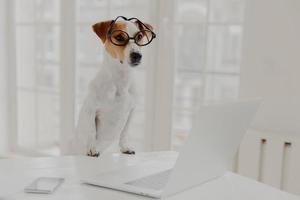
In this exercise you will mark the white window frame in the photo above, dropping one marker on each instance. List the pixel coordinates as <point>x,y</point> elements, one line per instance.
<point>162,81</point>
<point>68,69</point>
<point>12,108</point>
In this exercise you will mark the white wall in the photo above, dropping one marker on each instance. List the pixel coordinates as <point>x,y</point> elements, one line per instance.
<point>3,117</point>
<point>271,63</point>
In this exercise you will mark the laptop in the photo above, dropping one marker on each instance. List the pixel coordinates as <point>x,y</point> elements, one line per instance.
<point>207,154</point>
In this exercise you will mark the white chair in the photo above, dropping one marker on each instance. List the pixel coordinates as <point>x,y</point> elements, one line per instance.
<point>271,158</point>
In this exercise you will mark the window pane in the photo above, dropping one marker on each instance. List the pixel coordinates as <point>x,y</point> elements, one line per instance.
<point>38,73</point>
<point>48,10</point>
<point>48,120</point>
<point>91,11</point>
<point>29,11</point>
<point>189,47</point>
<point>183,120</point>
<point>188,94</point>
<point>128,12</point>
<point>38,118</point>
<point>121,3</point>
<point>188,90</point>
<point>221,87</point>
<point>144,5</point>
<point>191,11</point>
<point>224,48</point>
<point>47,58</point>
<point>226,10</point>
<point>27,119</point>
<point>130,8</point>
<point>25,53</point>
<point>48,77</point>
<point>48,43</point>
<point>37,50</point>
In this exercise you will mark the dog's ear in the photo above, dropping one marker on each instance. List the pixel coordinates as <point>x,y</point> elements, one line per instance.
<point>149,26</point>
<point>101,29</point>
<point>141,27</point>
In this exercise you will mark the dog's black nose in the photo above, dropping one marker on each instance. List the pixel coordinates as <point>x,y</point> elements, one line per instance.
<point>135,57</point>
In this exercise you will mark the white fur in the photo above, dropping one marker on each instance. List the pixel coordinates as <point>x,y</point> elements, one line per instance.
<point>131,29</point>
<point>106,112</point>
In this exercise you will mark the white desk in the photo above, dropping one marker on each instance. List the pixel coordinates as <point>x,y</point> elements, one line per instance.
<point>15,174</point>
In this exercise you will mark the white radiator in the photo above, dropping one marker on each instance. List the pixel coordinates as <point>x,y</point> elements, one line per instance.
<point>273,159</point>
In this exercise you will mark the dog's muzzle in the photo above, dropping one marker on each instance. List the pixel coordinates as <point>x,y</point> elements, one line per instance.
<point>135,58</point>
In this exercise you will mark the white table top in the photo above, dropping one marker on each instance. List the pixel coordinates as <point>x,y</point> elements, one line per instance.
<point>15,174</point>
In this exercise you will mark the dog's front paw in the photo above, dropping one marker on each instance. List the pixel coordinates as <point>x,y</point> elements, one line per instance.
<point>93,153</point>
<point>130,152</point>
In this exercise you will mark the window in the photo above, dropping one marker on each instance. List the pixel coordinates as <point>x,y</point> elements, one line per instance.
<point>195,58</point>
<point>208,47</point>
<point>37,73</point>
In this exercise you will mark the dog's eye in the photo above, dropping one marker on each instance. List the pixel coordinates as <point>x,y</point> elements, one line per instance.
<point>139,37</point>
<point>120,38</point>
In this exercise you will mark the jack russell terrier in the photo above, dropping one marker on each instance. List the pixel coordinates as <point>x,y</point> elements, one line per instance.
<point>107,110</point>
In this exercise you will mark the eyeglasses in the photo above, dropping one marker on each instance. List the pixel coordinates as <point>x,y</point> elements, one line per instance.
<point>121,38</point>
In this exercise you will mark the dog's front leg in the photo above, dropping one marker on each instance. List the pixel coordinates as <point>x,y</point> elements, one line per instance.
<point>124,137</point>
<point>86,128</point>
<point>104,138</point>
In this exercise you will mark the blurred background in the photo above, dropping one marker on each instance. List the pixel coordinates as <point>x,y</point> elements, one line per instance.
<point>55,54</point>
<point>206,50</point>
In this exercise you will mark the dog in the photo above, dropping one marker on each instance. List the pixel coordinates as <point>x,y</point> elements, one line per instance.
<point>107,110</point>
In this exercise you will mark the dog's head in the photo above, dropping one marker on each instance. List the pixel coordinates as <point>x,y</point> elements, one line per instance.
<point>123,39</point>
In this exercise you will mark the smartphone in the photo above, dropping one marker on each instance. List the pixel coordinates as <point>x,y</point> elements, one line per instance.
<point>44,185</point>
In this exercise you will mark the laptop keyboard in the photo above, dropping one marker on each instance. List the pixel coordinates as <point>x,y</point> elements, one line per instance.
<point>156,181</point>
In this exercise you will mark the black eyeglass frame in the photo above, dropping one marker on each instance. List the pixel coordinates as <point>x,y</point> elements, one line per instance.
<point>109,32</point>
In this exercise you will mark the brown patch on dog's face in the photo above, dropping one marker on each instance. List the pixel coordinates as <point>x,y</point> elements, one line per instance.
<point>101,30</point>
<point>141,27</point>
<point>149,26</point>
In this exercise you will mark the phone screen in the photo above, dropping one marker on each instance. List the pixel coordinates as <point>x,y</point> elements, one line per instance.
<point>45,185</point>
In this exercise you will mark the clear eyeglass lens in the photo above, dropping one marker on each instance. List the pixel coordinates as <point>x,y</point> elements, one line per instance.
<point>143,37</point>
<point>119,37</point>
